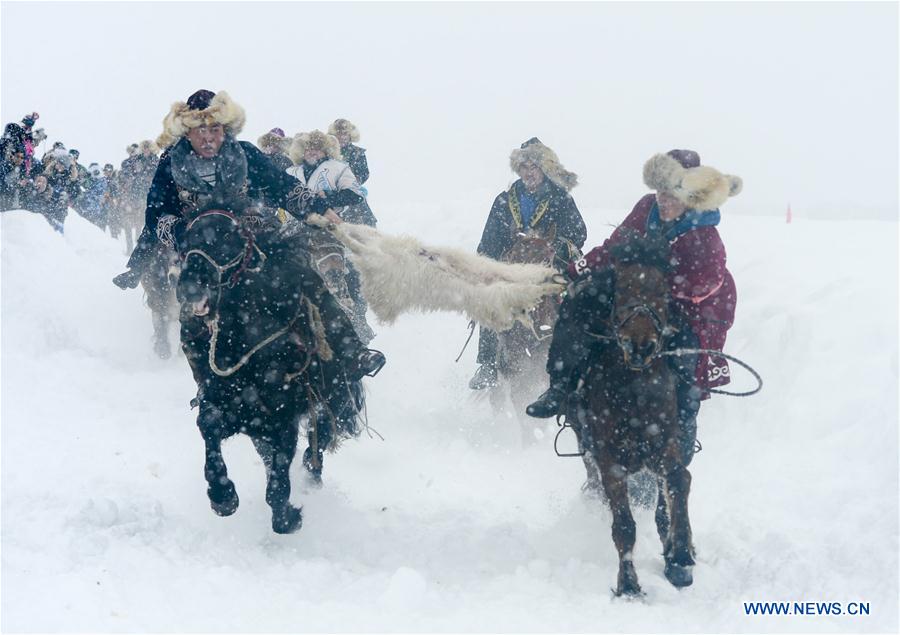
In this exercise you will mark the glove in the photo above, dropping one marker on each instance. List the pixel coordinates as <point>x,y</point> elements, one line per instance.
<point>128,280</point>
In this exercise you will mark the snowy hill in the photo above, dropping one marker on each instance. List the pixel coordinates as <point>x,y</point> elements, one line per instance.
<point>448,524</point>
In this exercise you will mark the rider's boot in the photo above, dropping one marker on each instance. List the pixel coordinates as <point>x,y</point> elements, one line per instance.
<point>357,360</point>
<point>366,364</point>
<point>128,280</point>
<point>485,377</point>
<point>550,403</point>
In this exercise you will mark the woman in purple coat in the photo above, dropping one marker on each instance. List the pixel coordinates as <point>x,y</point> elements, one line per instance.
<point>685,209</point>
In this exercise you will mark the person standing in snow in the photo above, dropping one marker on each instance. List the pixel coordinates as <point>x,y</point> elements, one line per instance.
<point>684,209</point>
<point>538,200</point>
<point>60,173</point>
<point>92,199</point>
<point>275,146</point>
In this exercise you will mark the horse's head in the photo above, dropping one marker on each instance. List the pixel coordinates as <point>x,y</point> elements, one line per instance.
<point>215,247</point>
<point>532,247</point>
<point>641,298</point>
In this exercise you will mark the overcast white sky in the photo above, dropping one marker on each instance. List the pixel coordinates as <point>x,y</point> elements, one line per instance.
<point>801,100</point>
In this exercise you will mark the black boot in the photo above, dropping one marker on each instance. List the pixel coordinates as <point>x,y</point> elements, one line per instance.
<point>128,280</point>
<point>550,403</point>
<point>367,364</point>
<point>485,377</point>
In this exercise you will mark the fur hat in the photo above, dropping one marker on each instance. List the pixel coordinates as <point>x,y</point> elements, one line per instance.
<point>273,141</point>
<point>315,139</point>
<point>533,151</point>
<point>698,186</point>
<point>204,107</point>
<point>344,125</point>
<point>57,155</point>
<point>147,144</point>
<point>132,149</point>
<point>38,136</point>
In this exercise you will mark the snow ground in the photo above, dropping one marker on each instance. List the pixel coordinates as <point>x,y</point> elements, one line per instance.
<point>448,524</point>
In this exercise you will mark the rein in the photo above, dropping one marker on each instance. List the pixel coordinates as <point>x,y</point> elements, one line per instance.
<point>242,262</point>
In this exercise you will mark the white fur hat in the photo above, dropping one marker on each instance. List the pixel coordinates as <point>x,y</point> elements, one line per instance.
<point>533,151</point>
<point>700,187</point>
<point>202,108</point>
<point>273,141</point>
<point>147,144</point>
<point>344,125</point>
<point>315,139</point>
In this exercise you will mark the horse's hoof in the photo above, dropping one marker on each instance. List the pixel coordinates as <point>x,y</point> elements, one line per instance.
<point>678,575</point>
<point>225,507</point>
<point>288,521</point>
<point>629,593</point>
<point>627,583</point>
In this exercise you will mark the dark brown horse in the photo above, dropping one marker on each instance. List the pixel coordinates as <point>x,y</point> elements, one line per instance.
<point>627,419</point>
<point>522,350</point>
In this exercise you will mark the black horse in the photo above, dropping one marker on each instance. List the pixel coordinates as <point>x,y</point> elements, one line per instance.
<point>253,332</point>
<point>626,416</point>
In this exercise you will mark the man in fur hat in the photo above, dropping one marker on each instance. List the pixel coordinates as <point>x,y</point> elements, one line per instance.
<point>319,167</point>
<point>539,200</point>
<point>205,167</point>
<point>275,146</point>
<point>685,210</point>
<point>346,133</point>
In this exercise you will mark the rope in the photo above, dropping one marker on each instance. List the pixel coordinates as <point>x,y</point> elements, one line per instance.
<point>691,351</point>
<point>468,339</point>
<point>228,372</point>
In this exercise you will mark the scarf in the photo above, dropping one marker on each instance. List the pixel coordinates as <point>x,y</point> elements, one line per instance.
<point>229,191</point>
<point>691,219</point>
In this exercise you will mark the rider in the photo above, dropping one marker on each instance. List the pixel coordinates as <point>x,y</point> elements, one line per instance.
<point>346,133</point>
<point>274,145</point>
<point>539,199</point>
<point>318,165</point>
<point>204,167</point>
<point>685,209</point>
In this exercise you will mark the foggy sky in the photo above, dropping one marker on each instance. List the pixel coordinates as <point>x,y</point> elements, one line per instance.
<point>801,100</point>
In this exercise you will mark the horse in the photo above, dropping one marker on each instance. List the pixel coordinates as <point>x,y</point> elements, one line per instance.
<point>158,281</point>
<point>522,350</point>
<point>255,341</point>
<point>626,413</point>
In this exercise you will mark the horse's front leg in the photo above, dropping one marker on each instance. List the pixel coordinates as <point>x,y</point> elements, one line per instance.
<point>223,497</point>
<point>678,548</point>
<point>615,485</point>
<point>285,517</point>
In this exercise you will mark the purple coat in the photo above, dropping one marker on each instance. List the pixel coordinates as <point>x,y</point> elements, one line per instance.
<point>701,285</point>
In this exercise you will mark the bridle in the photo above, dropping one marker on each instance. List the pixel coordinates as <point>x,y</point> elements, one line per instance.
<point>659,324</point>
<point>241,261</point>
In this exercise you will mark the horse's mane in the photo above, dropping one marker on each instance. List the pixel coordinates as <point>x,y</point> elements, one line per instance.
<point>652,250</point>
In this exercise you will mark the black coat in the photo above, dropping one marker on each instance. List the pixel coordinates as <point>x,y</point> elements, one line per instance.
<point>265,184</point>
<point>555,207</point>
<point>355,157</point>
<point>281,161</point>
